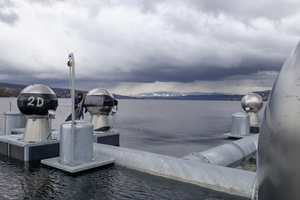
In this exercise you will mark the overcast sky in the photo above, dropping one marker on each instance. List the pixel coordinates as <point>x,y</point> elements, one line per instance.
<point>135,46</point>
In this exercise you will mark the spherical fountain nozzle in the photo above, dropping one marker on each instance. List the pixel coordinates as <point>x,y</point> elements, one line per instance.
<point>38,103</point>
<point>37,100</point>
<point>252,103</point>
<point>100,103</point>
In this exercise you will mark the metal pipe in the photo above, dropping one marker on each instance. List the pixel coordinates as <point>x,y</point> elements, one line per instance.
<point>71,57</point>
<point>51,115</point>
<point>223,179</point>
<point>229,154</point>
<point>50,128</point>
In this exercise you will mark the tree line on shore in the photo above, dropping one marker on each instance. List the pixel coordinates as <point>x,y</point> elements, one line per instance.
<point>9,93</point>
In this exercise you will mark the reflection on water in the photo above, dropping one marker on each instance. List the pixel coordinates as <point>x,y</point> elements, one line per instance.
<point>167,127</point>
<point>33,181</point>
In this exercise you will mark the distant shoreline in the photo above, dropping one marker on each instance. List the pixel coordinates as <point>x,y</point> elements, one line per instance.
<point>12,90</point>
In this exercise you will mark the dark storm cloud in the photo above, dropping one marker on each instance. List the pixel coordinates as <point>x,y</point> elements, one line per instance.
<point>247,10</point>
<point>133,41</point>
<point>46,2</point>
<point>165,72</point>
<point>183,23</point>
<point>9,17</point>
<point>149,6</point>
<point>13,74</point>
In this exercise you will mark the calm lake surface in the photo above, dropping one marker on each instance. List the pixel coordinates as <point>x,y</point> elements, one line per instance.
<point>169,127</point>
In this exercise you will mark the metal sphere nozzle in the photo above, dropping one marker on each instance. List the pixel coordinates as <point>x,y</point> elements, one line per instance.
<point>252,102</point>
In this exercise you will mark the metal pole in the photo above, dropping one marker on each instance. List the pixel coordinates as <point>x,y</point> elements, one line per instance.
<point>50,127</point>
<point>71,56</point>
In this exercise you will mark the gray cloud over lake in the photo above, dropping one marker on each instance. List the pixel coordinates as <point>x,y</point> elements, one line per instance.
<point>135,46</point>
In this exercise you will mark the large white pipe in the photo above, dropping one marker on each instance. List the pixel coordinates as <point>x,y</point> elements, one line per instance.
<point>228,154</point>
<point>227,180</point>
<point>278,174</point>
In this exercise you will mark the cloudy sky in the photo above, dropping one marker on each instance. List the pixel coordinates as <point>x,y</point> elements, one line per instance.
<point>135,46</point>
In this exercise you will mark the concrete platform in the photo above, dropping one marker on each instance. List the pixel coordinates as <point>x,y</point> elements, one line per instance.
<point>17,131</point>
<point>109,138</point>
<point>254,129</point>
<point>97,162</point>
<point>230,135</point>
<point>12,146</point>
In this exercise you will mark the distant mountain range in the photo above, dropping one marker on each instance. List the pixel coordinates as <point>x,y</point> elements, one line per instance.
<point>60,92</point>
<point>199,96</point>
<point>65,93</point>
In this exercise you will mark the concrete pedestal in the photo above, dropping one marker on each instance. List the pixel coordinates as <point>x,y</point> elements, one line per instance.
<point>80,157</point>
<point>110,138</point>
<point>13,120</point>
<point>12,146</point>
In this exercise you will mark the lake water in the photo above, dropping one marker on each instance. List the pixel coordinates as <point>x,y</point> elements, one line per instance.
<point>169,127</point>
